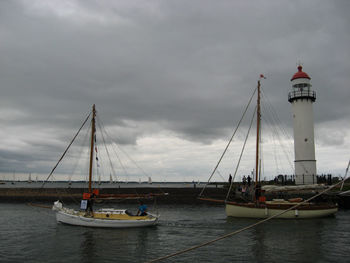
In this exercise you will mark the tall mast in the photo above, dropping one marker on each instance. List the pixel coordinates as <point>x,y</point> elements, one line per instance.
<point>92,145</point>
<point>258,117</point>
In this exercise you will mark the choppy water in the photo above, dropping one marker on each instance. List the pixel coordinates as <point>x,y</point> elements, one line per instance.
<point>31,234</point>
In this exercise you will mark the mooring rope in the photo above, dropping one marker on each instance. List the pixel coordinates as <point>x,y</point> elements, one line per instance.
<point>245,228</point>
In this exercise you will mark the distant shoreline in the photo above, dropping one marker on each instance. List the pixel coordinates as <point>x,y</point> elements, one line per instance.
<point>106,184</point>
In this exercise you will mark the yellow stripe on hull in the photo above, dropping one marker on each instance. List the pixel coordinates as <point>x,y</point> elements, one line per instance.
<point>118,216</point>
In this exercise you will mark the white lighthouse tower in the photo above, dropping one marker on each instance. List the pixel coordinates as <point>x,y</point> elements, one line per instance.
<point>301,97</point>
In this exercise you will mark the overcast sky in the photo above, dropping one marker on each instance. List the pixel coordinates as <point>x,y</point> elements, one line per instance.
<point>170,80</point>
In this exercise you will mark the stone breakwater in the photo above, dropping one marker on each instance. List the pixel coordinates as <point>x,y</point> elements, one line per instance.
<point>174,195</point>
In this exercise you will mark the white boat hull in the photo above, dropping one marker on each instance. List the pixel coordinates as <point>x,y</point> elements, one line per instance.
<point>78,218</point>
<point>94,222</point>
<point>233,210</point>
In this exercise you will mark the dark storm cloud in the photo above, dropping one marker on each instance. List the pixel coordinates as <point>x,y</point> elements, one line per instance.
<point>184,66</point>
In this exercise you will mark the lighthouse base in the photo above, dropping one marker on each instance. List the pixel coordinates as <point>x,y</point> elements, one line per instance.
<point>305,172</point>
<point>305,179</point>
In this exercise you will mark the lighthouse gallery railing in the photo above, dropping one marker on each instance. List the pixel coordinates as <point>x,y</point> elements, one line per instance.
<point>302,94</point>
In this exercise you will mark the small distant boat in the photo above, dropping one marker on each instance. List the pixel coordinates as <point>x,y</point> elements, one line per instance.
<point>105,217</point>
<point>14,178</point>
<point>30,178</point>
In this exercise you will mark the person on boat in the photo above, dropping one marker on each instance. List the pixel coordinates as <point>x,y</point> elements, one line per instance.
<point>230,179</point>
<point>244,191</point>
<point>142,209</point>
<point>249,180</point>
<point>257,192</point>
<point>89,206</point>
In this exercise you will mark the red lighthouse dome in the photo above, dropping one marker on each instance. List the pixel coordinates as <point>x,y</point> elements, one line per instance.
<point>300,74</point>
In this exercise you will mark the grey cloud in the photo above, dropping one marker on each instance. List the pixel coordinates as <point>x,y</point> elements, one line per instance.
<point>184,66</point>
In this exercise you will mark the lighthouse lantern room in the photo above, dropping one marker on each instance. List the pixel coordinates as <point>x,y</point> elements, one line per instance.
<point>302,97</point>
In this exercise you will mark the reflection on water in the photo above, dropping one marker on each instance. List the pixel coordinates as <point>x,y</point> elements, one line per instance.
<point>34,236</point>
<point>88,246</point>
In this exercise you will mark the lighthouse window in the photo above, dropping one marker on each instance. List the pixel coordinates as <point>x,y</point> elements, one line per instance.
<point>301,85</point>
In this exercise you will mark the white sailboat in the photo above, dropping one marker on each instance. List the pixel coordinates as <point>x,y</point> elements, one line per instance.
<point>105,217</point>
<point>259,207</point>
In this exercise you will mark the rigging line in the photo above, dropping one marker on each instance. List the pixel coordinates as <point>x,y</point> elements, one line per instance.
<point>126,154</point>
<point>273,120</point>
<point>120,161</point>
<point>228,144</point>
<point>346,173</point>
<point>81,153</point>
<point>99,124</point>
<point>84,158</point>
<point>274,138</point>
<point>277,170</point>
<point>64,153</point>
<point>286,151</point>
<point>276,120</point>
<point>135,163</point>
<point>65,190</point>
<point>274,116</point>
<point>115,152</point>
<point>220,175</point>
<point>131,159</point>
<point>240,157</point>
<point>245,228</point>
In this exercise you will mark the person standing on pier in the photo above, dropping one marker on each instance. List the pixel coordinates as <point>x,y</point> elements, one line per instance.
<point>244,180</point>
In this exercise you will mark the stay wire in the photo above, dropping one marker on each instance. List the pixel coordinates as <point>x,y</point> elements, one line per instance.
<point>228,144</point>
<point>275,120</point>
<point>99,123</point>
<point>64,153</point>
<point>128,156</point>
<point>240,157</point>
<point>115,152</point>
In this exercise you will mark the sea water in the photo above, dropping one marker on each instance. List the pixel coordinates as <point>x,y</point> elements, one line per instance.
<point>31,234</point>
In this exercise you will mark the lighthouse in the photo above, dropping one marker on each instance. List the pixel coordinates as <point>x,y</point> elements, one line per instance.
<point>302,97</point>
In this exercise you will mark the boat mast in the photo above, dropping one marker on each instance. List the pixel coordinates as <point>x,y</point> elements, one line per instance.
<point>92,145</point>
<point>258,117</point>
